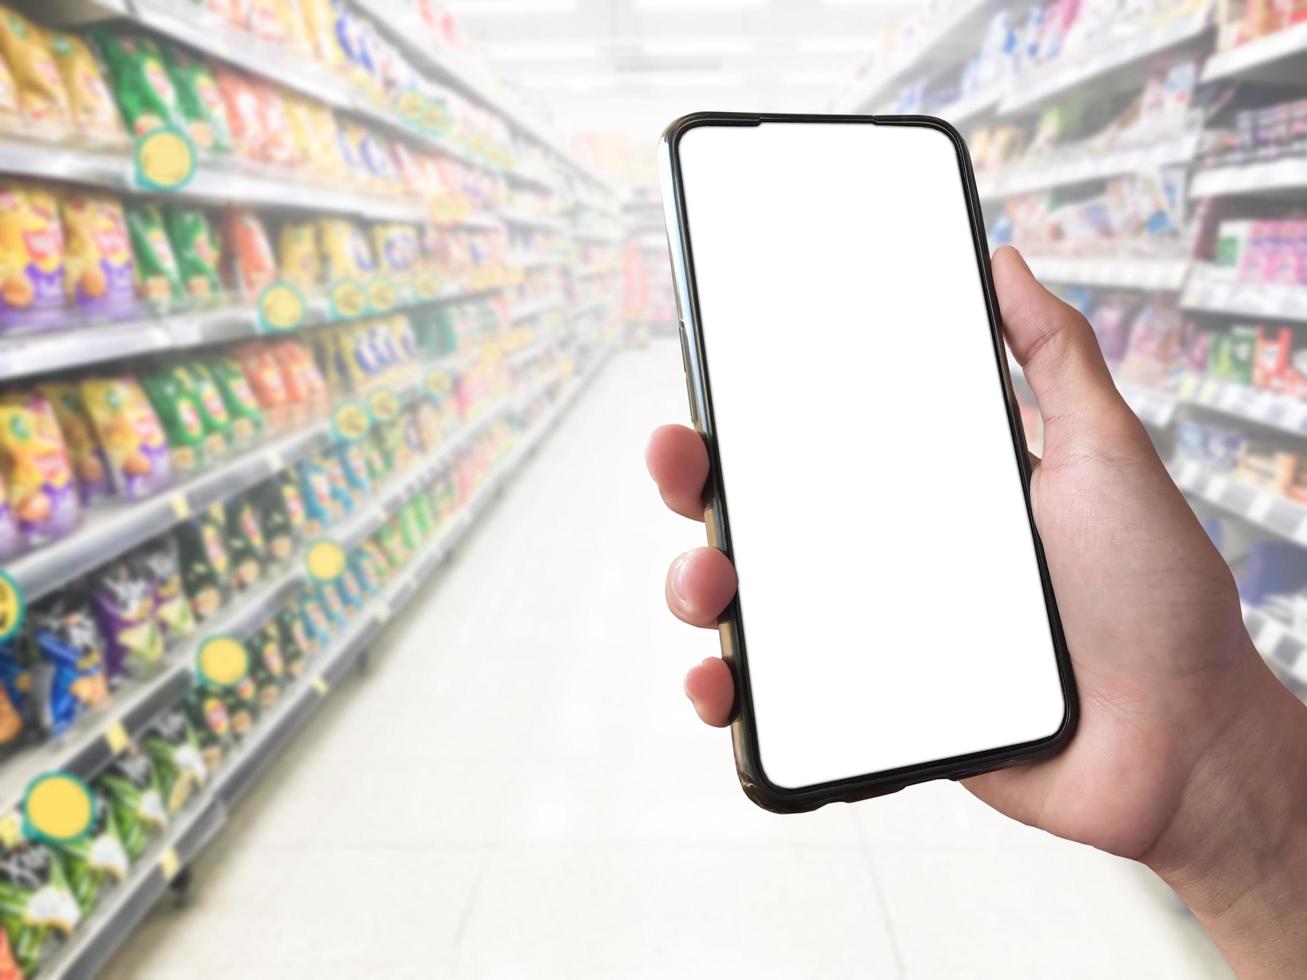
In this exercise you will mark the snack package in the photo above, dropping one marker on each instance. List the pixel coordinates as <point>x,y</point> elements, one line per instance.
<point>95,860</point>
<point>253,264</point>
<point>245,542</point>
<point>261,370</point>
<point>320,20</point>
<point>292,500</point>
<point>9,539</point>
<point>92,109</point>
<point>296,644</point>
<point>199,101</point>
<point>305,388</point>
<point>207,712</point>
<point>345,250</point>
<point>11,121</point>
<point>177,406</point>
<point>274,520</point>
<point>267,665</point>
<point>145,93</point>
<point>297,254</point>
<point>99,272</point>
<point>330,461</point>
<point>31,255</point>
<point>396,248</point>
<point>321,509</point>
<point>88,460</point>
<point>198,252</point>
<point>36,469</point>
<point>242,404</point>
<point>158,279</point>
<point>295,28</point>
<point>313,616</point>
<point>36,904</point>
<point>243,115</point>
<point>213,407</point>
<point>278,136</point>
<point>130,434</point>
<point>132,790</point>
<point>71,650</point>
<point>160,561</point>
<point>265,21</point>
<point>316,138</point>
<point>122,596</point>
<point>175,756</point>
<point>354,466</point>
<point>205,563</point>
<point>41,94</point>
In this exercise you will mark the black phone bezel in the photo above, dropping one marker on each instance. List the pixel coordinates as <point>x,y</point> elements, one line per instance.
<point>744,734</point>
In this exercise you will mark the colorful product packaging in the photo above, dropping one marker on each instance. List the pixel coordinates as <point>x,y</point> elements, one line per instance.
<point>245,542</point>
<point>37,470</point>
<point>145,93</point>
<point>243,115</point>
<point>93,112</point>
<point>177,406</point>
<point>99,272</point>
<point>71,650</point>
<point>96,860</point>
<point>198,252</point>
<point>206,568</point>
<point>242,403</point>
<point>199,101</point>
<point>158,277</point>
<point>122,596</point>
<point>36,904</point>
<point>160,561</point>
<point>89,463</point>
<point>253,263</point>
<point>41,94</point>
<point>129,433</point>
<point>298,254</point>
<point>175,757</point>
<point>31,255</point>
<point>132,790</point>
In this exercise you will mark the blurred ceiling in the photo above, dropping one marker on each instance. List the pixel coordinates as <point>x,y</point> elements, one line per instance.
<point>633,65</point>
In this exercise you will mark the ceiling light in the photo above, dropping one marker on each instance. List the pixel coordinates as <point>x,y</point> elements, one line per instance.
<point>502,8</point>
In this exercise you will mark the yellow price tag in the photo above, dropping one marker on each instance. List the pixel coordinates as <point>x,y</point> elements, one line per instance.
<point>350,421</point>
<point>347,298</point>
<point>11,829</point>
<point>13,607</point>
<point>444,209</point>
<point>320,685</point>
<point>382,296</point>
<point>116,737</point>
<point>383,403</point>
<point>281,307</point>
<point>181,507</point>
<point>223,661</point>
<point>169,864</point>
<point>58,807</point>
<point>165,159</point>
<point>426,284</point>
<point>325,560</point>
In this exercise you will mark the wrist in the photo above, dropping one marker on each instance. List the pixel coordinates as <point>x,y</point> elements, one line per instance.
<point>1236,849</point>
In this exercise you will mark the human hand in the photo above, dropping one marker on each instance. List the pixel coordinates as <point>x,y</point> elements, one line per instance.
<point>1188,755</point>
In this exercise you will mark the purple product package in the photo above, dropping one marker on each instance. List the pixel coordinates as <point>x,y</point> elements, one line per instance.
<point>31,257</point>
<point>123,600</point>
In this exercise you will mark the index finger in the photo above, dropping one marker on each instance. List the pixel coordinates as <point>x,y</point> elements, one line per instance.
<point>678,462</point>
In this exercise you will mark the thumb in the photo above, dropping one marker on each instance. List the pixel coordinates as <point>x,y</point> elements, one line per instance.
<point>1054,345</point>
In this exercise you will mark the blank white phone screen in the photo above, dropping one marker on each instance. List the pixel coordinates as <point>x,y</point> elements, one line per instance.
<point>890,593</point>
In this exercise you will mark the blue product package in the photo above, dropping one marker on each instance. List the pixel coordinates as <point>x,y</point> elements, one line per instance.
<point>1272,568</point>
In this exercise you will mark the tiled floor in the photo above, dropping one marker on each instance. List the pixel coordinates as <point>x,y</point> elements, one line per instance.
<point>519,789</point>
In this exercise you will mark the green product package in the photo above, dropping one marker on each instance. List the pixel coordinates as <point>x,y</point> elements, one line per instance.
<point>141,84</point>
<point>197,251</point>
<point>131,786</point>
<point>213,407</point>
<point>1242,351</point>
<point>207,712</point>
<point>245,542</point>
<point>274,518</point>
<point>408,528</point>
<point>175,754</point>
<point>179,413</point>
<point>199,100</point>
<point>377,461</point>
<point>247,418</point>
<point>205,562</point>
<point>158,277</point>
<point>96,859</point>
<point>36,903</point>
<point>296,646</point>
<point>267,663</point>
<point>422,515</point>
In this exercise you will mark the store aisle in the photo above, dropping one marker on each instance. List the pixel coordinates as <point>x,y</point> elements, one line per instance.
<point>518,788</point>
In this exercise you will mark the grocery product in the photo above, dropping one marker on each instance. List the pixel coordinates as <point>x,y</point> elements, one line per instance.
<point>213,406</point>
<point>345,250</point>
<point>245,542</point>
<point>95,860</point>
<point>175,757</point>
<point>306,390</point>
<point>160,562</point>
<point>158,277</point>
<point>72,651</point>
<point>243,113</point>
<point>176,403</point>
<point>321,508</point>
<point>263,373</point>
<point>144,90</point>
<point>205,562</point>
<point>242,404</point>
<point>207,712</point>
<point>274,520</point>
<point>37,471</point>
<point>9,539</point>
<point>267,666</point>
<point>99,271</point>
<point>278,137</point>
<point>11,121</point>
<point>292,498</point>
<point>197,250</point>
<point>129,432</point>
<point>41,94</point>
<point>253,264</point>
<point>122,596</point>
<point>93,113</point>
<point>297,254</point>
<point>132,789</point>
<point>31,255</point>
<point>36,904</point>
<point>199,101</point>
<point>88,460</point>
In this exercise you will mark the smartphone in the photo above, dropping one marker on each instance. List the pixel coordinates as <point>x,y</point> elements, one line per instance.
<point>895,622</point>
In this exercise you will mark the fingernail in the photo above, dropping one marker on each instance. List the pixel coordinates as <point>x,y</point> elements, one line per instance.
<point>679,590</point>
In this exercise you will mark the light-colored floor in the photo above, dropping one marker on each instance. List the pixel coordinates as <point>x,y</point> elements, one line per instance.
<point>519,789</point>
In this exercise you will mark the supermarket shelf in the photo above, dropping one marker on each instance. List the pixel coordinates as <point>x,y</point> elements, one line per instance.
<point>1278,57</point>
<point>537,348</point>
<point>1152,407</point>
<point>597,235</point>
<point>1274,178</point>
<point>527,310</point>
<point>1160,275</point>
<point>101,934</point>
<point>1087,166</point>
<point>1283,412</point>
<point>535,261</point>
<point>1204,290</point>
<point>949,38</point>
<point>589,309</point>
<point>969,106</point>
<point>1277,641</point>
<point>1112,65</point>
<point>591,271</point>
<point>541,221</point>
<point>539,182</point>
<point>1262,508</point>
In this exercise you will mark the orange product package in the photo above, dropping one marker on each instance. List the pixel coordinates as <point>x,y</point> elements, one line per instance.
<point>243,112</point>
<point>11,115</point>
<point>253,263</point>
<point>304,382</point>
<point>278,137</point>
<point>41,94</point>
<point>266,380</point>
<point>94,112</point>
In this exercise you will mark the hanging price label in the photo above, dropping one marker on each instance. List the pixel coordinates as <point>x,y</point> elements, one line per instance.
<point>325,560</point>
<point>58,807</point>
<point>426,284</point>
<point>383,403</point>
<point>382,295</point>
<point>438,384</point>
<point>281,308</point>
<point>164,159</point>
<point>350,422</point>
<point>13,607</point>
<point>347,298</point>
<point>222,661</point>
